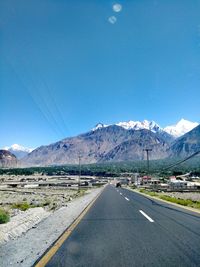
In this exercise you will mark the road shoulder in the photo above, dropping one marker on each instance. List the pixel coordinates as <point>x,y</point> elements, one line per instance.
<point>164,201</point>
<point>25,250</point>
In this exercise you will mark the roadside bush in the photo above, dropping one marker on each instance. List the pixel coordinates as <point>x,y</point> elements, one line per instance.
<point>183,202</point>
<point>153,194</point>
<point>4,216</point>
<point>180,201</point>
<point>21,206</point>
<point>142,191</point>
<point>133,186</point>
<point>196,205</point>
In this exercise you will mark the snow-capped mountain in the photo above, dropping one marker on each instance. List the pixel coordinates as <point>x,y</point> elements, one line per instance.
<point>124,141</point>
<point>177,130</point>
<point>138,125</point>
<point>135,125</point>
<point>18,150</point>
<point>99,126</point>
<point>181,128</point>
<point>186,145</point>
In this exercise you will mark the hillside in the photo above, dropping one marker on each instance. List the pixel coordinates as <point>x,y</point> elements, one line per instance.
<point>114,143</point>
<point>95,146</point>
<point>7,159</point>
<point>133,149</point>
<point>187,144</point>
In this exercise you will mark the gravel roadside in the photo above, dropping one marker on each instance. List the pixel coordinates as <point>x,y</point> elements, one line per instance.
<point>25,250</point>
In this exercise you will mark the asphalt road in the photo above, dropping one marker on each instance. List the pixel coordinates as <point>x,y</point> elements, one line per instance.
<point>124,228</point>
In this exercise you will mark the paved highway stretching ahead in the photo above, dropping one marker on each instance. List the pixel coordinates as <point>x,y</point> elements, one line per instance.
<point>124,228</point>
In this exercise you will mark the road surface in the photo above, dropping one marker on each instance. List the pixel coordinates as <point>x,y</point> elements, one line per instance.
<point>124,229</point>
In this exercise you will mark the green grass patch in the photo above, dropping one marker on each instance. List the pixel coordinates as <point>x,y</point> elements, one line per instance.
<point>142,191</point>
<point>81,192</point>
<point>4,216</point>
<point>180,201</point>
<point>22,206</point>
<point>150,193</point>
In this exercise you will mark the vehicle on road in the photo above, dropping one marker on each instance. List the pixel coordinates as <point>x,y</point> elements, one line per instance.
<point>118,184</point>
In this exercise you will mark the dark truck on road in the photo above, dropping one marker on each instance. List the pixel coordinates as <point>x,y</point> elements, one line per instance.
<point>118,184</point>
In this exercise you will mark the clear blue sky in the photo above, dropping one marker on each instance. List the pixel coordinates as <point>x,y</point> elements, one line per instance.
<point>64,67</point>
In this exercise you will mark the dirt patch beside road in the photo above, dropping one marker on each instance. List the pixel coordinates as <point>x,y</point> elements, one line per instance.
<point>49,197</point>
<point>26,249</point>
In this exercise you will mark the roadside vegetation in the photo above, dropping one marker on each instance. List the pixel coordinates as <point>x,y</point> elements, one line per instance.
<point>81,192</point>
<point>22,206</point>
<point>180,201</point>
<point>4,216</point>
<point>50,200</point>
<point>114,169</point>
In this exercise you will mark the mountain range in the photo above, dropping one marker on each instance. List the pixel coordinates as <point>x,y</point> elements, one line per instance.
<point>18,150</point>
<point>124,141</point>
<point>187,144</point>
<point>176,130</point>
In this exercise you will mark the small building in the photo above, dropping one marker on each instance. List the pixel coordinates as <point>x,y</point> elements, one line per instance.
<point>145,180</point>
<point>154,182</point>
<point>178,184</point>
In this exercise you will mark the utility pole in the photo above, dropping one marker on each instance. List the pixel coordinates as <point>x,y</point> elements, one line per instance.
<point>79,178</point>
<point>147,151</point>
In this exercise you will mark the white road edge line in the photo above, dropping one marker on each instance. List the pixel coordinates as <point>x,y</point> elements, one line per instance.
<point>126,198</point>
<point>146,216</point>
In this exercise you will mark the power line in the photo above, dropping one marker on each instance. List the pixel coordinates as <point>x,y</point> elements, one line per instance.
<point>181,161</point>
<point>33,98</point>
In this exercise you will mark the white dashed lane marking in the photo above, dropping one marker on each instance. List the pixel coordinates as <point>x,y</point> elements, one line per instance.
<point>146,216</point>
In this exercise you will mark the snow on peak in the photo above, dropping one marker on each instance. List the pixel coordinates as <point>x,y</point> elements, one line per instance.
<point>181,128</point>
<point>138,125</point>
<point>135,125</point>
<point>177,130</point>
<point>99,126</point>
<point>16,147</point>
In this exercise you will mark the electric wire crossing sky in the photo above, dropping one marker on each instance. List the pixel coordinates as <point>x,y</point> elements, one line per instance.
<point>67,66</point>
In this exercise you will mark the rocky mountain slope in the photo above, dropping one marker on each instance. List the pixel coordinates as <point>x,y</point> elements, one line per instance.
<point>133,149</point>
<point>187,144</point>
<point>7,159</point>
<point>94,146</point>
<point>122,142</point>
